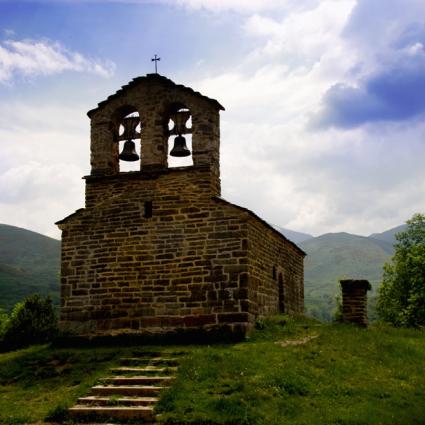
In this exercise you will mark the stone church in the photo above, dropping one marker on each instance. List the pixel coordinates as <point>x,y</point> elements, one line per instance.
<point>157,250</point>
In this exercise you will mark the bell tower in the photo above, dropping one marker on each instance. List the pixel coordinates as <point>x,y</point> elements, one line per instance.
<point>139,114</point>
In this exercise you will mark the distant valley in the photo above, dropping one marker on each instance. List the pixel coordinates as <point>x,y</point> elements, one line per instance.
<point>30,262</point>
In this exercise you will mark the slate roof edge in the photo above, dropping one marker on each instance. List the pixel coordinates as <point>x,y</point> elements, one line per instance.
<point>256,217</point>
<point>75,213</point>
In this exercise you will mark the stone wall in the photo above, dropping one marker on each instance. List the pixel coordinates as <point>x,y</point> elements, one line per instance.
<point>182,267</point>
<point>270,257</point>
<point>194,185</point>
<point>196,262</point>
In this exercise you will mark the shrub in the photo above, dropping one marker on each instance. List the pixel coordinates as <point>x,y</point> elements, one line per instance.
<point>337,317</point>
<point>4,318</point>
<point>32,321</point>
<point>58,413</point>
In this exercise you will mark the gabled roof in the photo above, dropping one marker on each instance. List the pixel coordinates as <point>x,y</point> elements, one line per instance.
<point>151,78</point>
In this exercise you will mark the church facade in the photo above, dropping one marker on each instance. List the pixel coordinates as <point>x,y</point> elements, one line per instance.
<point>158,250</point>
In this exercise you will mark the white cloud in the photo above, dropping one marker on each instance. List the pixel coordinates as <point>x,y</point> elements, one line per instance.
<point>44,153</point>
<point>415,49</point>
<point>302,38</point>
<point>35,195</point>
<point>376,29</point>
<point>299,56</point>
<point>312,25</point>
<point>241,6</point>
<point>33,58</point>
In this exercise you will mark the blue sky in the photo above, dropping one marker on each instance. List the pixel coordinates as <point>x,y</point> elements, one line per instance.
<point>324,126</point>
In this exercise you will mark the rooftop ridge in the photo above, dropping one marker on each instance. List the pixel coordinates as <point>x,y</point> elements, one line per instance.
<point>151,77</point>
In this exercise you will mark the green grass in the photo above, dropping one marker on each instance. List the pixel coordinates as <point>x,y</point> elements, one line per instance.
<point>42,380</point>
<point>345,376</point>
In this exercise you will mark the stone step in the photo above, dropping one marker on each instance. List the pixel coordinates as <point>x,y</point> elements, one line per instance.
<point>172,361</point>
<point>104,423</point>
<point>145,369</point>
<point>137,353</point>
<point>144,413</point>
<point>128,397</point>
<point>141,353</point>
<point>123,401</point>
<point>137,380</point>
<point>134,390</point>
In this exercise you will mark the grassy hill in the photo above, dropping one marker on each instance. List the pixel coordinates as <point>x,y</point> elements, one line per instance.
<point>290,371</point>
<point>335,256</point>
<point>29,263</point>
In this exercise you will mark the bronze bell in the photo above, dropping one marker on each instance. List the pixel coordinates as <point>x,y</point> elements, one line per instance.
<point>129,152</point>
<point>180,148</point>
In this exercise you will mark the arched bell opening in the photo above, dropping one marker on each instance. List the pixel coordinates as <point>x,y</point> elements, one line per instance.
<point>180,137</point>
<point>128,140</point>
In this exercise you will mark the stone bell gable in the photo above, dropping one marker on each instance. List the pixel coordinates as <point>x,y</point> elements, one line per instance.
<point>157,250</point>
<point>155,98</point>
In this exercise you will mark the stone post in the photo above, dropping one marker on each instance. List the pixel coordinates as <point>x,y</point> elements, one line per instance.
<point>354,301</point>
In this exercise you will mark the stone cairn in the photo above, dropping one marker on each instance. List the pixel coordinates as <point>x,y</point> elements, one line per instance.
<point>354,300</point>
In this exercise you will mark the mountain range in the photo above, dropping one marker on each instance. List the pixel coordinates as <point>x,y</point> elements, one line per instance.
<point>30,262</point>
<point>292,235</point>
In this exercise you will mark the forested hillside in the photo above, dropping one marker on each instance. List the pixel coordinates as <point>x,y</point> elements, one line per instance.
<point>29,263</point>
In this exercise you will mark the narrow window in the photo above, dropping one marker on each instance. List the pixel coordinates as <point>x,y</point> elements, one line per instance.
<point>148,209</point>
<point>281,295</point>
<point>274,273</point>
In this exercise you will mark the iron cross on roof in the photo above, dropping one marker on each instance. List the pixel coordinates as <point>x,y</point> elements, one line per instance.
<point>155,59</point>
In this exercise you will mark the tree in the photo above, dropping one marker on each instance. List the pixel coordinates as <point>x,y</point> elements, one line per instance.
<point>401,298</point>
<point>32,321</point>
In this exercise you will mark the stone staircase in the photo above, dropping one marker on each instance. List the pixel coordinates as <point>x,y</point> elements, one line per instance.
<point>131,393</point>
